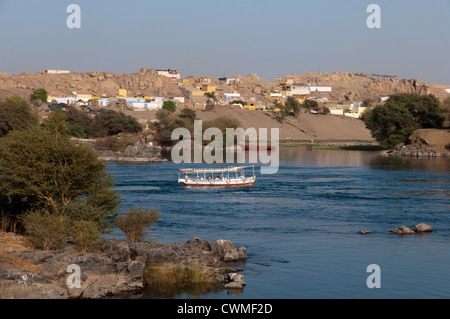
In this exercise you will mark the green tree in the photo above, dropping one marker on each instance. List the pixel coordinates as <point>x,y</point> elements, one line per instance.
<point>38,97</point>
<point>57,123</point>
<point>292,106</point>
<point>110,122</point>
<point>169,106</point>
<point>392,123</point>
<point>425,109</point>
<point>189,114</point>
<point>310,104</point>
<point>80,124</point>
<point>445,107</point>
<point>16,114</point>
<point>279,111</point>
<point>44,170</point>
<point>211,98</point>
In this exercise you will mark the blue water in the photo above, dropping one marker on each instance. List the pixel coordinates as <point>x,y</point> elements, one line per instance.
<point>301,226</point>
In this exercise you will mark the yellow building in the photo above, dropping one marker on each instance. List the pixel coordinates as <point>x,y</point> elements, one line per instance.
<point>207,88</point>
<point>123,93</point>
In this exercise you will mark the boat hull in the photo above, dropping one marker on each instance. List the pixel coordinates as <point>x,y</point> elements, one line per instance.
<point>219,184</point>
<point>249,182</point>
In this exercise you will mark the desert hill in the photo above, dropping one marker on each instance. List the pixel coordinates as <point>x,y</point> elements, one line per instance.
<point>347,87</point>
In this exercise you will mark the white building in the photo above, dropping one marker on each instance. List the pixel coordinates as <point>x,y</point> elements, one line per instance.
<point>57,71</point>
<point>66,100</point>
<point>299,90</point>
<point>173,74</point>
<point>325,89</point>
<point>229,97</point>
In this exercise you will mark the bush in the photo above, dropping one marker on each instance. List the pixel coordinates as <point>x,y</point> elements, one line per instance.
<point>80,124</point>
<point>85,234</point>
<point>44,230</point>
<point>168,121</point>
<point>169,106</point>
<point>16,114</point>
<point>110,122</point>
<point>41,170</point>
<point>136,222</point>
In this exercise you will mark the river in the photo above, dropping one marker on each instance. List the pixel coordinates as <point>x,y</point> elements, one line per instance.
<point>301,226</point>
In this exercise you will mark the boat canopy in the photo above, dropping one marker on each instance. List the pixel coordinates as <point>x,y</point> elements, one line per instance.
<point>212,171</point>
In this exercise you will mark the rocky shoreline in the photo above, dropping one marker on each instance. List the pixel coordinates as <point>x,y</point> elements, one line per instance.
<point>117,269</point>
<point>425,143</point>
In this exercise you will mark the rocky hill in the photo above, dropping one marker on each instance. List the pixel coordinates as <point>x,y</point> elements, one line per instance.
<point>347,87</point>
<point>146,82</point>
<point>358,86</point>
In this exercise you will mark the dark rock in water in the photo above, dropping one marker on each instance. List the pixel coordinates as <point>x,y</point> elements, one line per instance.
<point>402,230</point>
<point>422,228</point>
<point>365,232</point>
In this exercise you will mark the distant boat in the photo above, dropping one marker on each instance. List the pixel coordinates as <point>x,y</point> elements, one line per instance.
<point>232,176</point>
<point>257,147</point>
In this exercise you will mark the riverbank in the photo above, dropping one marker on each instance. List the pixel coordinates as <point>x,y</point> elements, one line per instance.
<point>118,268</point>
<point>425,143</point>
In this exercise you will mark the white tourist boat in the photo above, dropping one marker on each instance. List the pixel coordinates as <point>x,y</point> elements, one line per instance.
<point>231,176</point>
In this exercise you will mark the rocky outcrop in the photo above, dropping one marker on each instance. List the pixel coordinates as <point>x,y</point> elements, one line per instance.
<point>114,270</point>
<point>402,230</point>
<point>425,143</point>
<point>419,228</point>
<point>145,82</point>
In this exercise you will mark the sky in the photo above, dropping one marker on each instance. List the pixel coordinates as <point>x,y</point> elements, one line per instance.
<point>224,38</point>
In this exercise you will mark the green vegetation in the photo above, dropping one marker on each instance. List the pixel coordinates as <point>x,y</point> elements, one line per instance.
<point>169,106</point>
<point>55,187</point>
<point>446,112</point>
<point>392,122</point>
<point>80,124</point>
<point>16,114</point>
<point>212,98</point>
<point>109,122</point>
<point>168,121</point>
<point>39,95</point>
<point>166,276</point>
<point>136,222</point>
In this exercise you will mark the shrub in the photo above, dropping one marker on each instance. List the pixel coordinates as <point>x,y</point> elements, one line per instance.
<point>136,222</point>
<point>170,106</point>
<point>44,230</point>
<point>80,124</point>
<point>110,122</point>
<point>42,170</point>
<point>16,114</point>
<point>164,276</point>
<point>85,234</point>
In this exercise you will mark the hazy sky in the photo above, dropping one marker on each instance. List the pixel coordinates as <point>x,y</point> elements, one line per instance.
<point>200,37</point>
